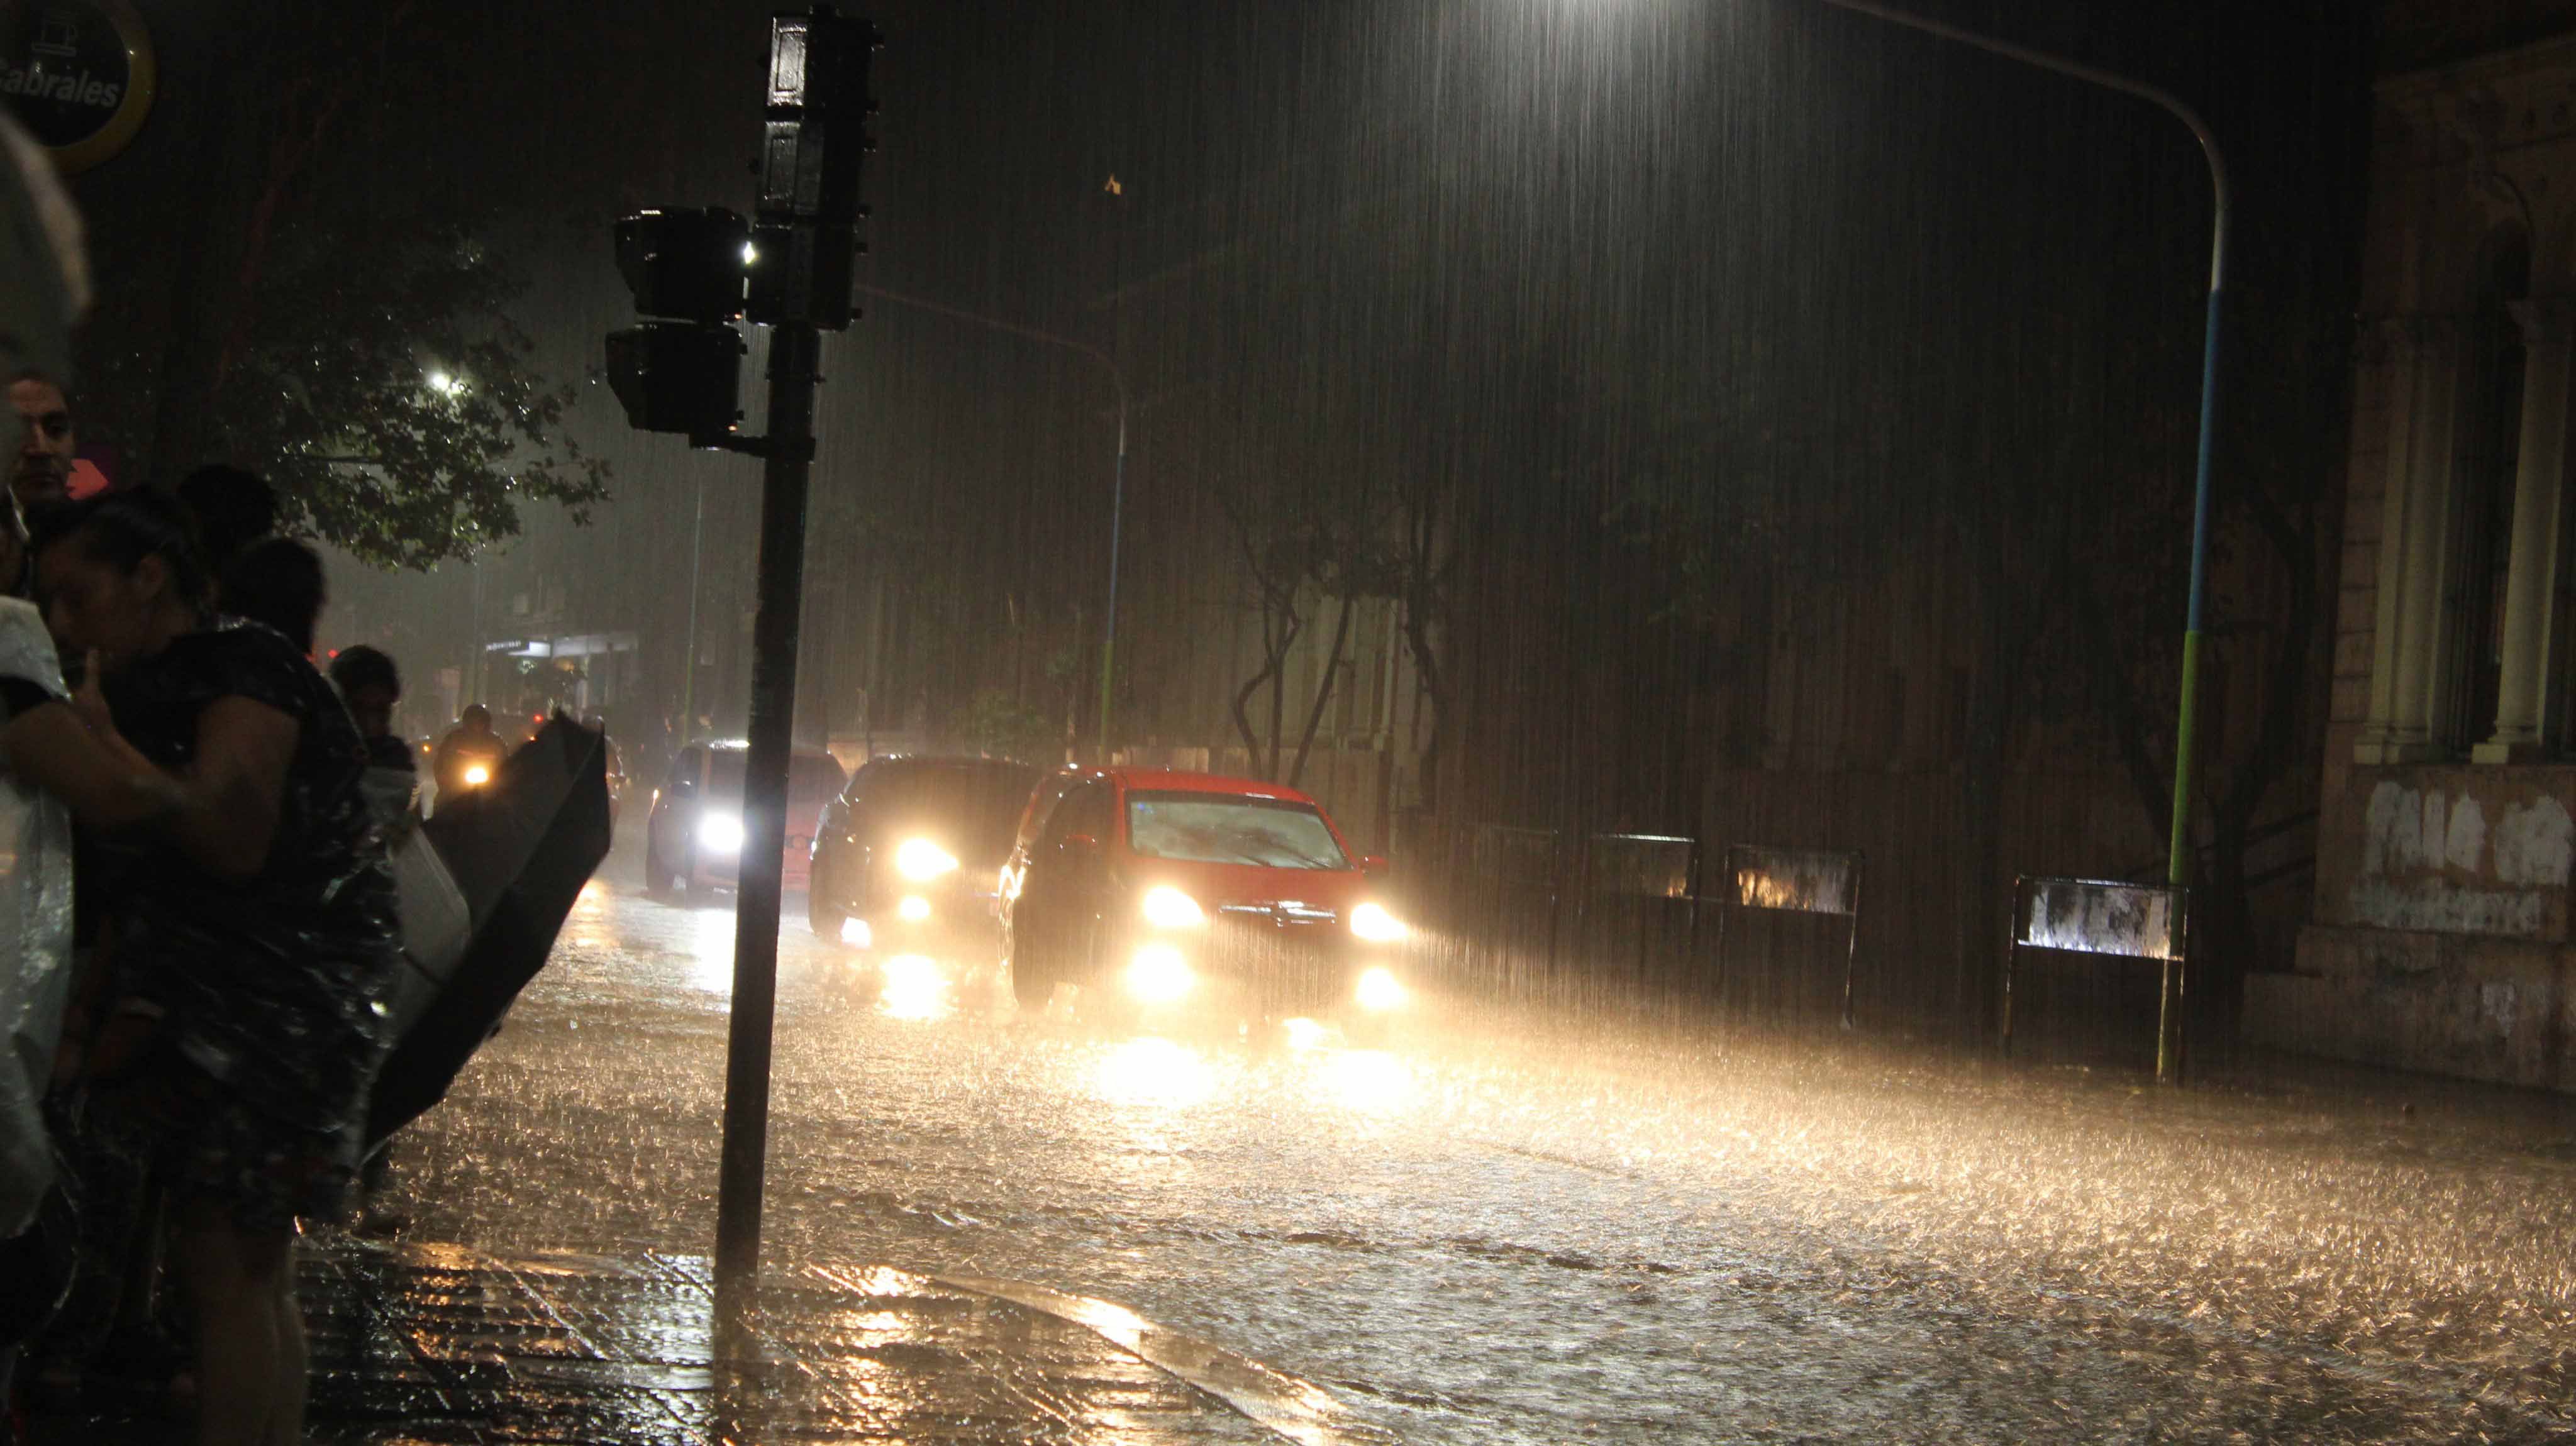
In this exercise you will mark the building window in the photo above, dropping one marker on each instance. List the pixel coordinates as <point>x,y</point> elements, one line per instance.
<point>2490,439</point>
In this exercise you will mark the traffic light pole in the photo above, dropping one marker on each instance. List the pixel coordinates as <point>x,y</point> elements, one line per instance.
<point>697,275</point>
<point>788,451</point>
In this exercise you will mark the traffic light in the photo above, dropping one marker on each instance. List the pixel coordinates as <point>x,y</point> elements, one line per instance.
<point>683,372</point>
<point>685,264</point>
<point>813,146</point>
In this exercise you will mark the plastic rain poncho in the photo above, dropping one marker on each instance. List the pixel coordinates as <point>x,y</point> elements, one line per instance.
<point>36,935</point>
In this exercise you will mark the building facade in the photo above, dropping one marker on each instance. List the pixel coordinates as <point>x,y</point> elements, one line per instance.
<point>2440,935</point>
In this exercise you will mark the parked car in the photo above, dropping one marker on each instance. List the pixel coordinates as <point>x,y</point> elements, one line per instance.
<point>909,856</point>
<point>693,838</point>
<point>1158,888</point>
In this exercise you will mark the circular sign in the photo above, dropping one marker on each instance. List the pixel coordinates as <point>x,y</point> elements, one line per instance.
<point>78,74</point>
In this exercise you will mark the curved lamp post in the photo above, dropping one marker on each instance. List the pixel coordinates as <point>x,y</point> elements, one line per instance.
<point>2178,856</point>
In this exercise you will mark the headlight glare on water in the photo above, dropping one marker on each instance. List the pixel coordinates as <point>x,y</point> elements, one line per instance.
<point>1373,923</point>
<point>920,860</point>
<point>1379,991</point>
<point>1168,908</point>
<point>1157,974</point>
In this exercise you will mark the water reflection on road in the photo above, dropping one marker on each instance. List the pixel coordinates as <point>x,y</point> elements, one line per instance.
<point>1490,1236</point>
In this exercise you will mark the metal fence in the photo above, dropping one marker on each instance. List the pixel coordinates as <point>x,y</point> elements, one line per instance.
<point>1623,922</point>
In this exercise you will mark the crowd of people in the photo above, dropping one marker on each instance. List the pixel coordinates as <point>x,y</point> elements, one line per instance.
<point>194,887</point>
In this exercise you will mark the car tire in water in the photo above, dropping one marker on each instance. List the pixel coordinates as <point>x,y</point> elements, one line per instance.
<point>824,916</point>
<point>1031,981</point>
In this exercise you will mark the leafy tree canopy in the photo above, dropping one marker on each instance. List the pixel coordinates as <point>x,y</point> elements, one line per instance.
<point>391,399</point>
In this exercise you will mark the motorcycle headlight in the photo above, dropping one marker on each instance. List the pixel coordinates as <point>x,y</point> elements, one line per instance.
<point>1373,923</point>
<point>720,833</point>
<point>476,775</point>
<point>1168,908</point>
<point>920,860</point>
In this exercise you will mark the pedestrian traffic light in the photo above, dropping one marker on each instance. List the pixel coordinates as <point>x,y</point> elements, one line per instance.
<point>685,264</point>
<point>813,147</point>
<point>682,372</point>
<point>803,273</point>
<point>678,377</point>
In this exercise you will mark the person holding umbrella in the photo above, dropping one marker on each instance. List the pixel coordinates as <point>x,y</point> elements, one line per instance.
<point>253,943</point>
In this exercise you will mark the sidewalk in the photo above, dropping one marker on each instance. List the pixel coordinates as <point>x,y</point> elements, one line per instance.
<point>435,1345</point>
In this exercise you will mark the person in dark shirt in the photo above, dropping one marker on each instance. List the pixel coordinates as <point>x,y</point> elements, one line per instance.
<point>277,581</point>
<point>232,509</point>
<point>371,685</point>
<point>255,938</point>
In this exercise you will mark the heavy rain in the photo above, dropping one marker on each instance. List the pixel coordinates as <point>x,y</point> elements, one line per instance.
<point>1507,721</point>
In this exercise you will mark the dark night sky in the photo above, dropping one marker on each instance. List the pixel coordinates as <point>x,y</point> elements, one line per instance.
<point>1534,233</point>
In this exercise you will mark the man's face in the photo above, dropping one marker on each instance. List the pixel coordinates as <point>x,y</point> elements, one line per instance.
<point>46,448</point>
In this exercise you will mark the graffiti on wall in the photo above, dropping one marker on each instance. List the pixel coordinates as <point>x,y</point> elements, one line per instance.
<point>2434,860</point>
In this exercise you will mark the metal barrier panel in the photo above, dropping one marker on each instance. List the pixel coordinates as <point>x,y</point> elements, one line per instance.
<point>2082,916</point>
<point>2149,922</point>
<point>1805,881</point>
<point>1796,880</point>
<point>1635,911</point>
<point>1512,901</point>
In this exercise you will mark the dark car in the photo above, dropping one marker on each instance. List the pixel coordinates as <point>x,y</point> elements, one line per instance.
<point>1155,887</point>
<point>694,836</point>
<point>907,857</point>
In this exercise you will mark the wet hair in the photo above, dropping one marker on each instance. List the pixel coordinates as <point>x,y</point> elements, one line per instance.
<point>277,581</point>
<point>121,529</point>
<point>365,667</point>
<point>233,508</point>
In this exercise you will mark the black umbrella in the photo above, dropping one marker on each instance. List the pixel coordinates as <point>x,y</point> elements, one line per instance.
<point>520,849</point>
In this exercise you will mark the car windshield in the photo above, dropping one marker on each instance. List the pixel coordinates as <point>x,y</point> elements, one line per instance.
<point>811,777</point>
<point>970,809</point>
<point>1220,829</point>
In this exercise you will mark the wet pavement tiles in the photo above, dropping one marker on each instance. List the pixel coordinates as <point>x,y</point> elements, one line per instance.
<point>444,1346</point>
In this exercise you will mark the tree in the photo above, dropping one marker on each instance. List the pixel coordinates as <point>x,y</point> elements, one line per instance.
<point>394,404</point>
<point>348,339</point>
<point>1281,551</point>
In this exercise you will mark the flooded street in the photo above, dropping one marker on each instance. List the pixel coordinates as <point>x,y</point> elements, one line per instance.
<point>1480,1237</point>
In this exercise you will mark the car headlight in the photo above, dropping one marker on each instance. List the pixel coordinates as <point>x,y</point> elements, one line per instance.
<point>720,833</point>
<point>920,860</point>
<point>1158,974</point>
<point>1373,923</point>
<point>476,775</point>
<point>913,910</point>
<point>1168,908</point>
<point>1379,991</point>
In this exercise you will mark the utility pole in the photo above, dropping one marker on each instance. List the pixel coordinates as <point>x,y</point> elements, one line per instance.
<point>790,270</point>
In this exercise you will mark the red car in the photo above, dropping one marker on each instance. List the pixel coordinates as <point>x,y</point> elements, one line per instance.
<point>1160,886</point>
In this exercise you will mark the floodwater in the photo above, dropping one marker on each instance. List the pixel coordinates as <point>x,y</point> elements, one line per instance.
<point>1521,1235</point>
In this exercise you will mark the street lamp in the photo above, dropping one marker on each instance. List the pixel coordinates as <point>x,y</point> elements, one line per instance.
<point>2178,856</point>
<point>1118,479</point>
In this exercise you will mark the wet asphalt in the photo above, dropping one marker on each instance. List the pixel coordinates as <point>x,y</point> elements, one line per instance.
<point>1541,1231</point>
